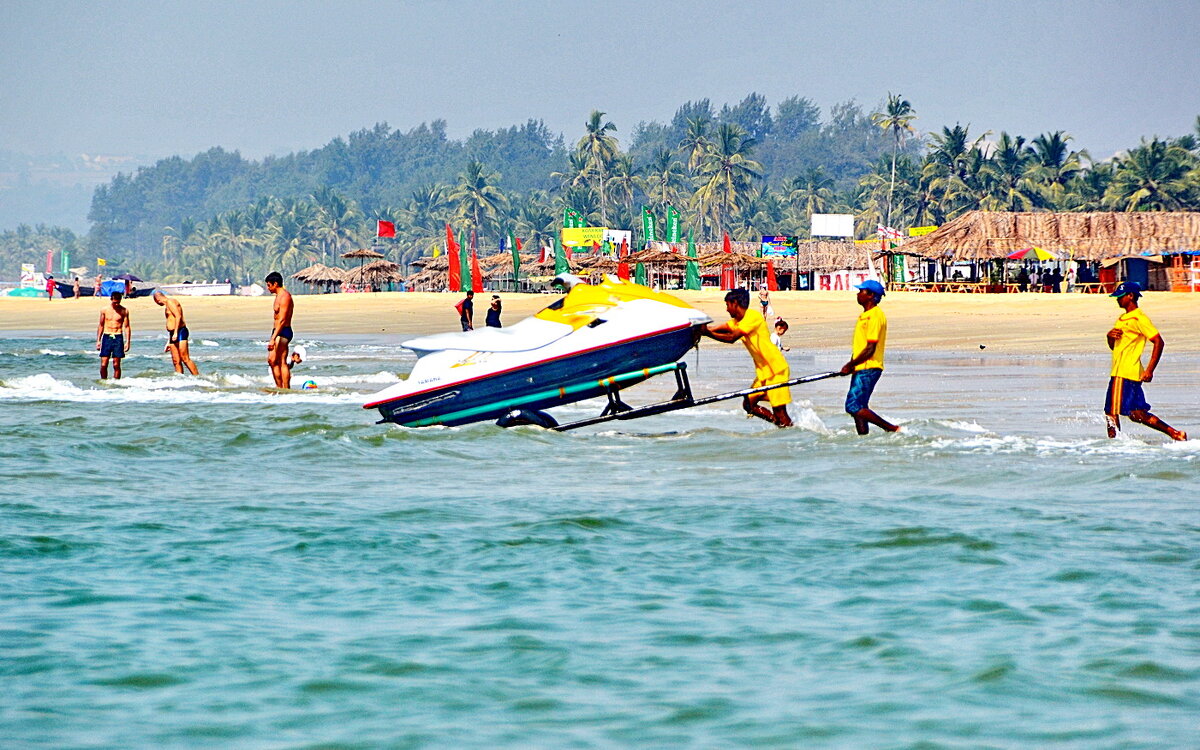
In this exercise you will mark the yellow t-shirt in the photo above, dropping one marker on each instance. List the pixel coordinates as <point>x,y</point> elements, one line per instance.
<point>769,363</point>
<point>1136,330</point>
<point>871,326</point>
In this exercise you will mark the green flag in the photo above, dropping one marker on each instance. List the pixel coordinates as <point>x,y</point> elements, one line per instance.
<point>692,274</point>
<point>672,225</point>
<point>560,259</point>
<point>516,255</point>
<point>648,232</point>
<point>464,260</point>
<point>639,274</point>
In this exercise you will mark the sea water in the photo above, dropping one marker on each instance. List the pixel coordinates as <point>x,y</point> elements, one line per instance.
<point>201,562</point>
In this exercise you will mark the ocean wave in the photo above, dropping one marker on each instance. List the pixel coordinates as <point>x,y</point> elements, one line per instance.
<point>181,390</point>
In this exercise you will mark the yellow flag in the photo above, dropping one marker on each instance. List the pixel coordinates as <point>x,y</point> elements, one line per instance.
<point>101,262</point>
<point>437,250</point>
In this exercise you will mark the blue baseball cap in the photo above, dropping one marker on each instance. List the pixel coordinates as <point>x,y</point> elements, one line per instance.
<point>873,286</point>
<point>1128,287</point>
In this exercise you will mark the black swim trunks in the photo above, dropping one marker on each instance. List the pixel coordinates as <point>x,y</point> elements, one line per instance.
<point>286,333</point>
<point>179,334</point>
<point>112,346</point>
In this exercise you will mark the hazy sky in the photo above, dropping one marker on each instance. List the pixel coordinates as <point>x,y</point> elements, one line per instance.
<point>158,78</point>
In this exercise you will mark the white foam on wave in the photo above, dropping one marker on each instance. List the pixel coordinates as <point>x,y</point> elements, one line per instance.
<point>207,342</point>
<point>1123,445</point>
<point>52,352</point>
<point>171,390</point>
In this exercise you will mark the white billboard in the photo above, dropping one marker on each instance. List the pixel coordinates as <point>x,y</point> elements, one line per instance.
<point>833,225</point>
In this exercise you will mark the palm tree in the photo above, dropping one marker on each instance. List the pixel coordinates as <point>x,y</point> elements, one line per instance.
<point>1055,165</point>
<point>576,172</point>
<point>664,180</point>
<point>727,175</point>
<point>1007,185</point>
<point>600,149</point>
<point>476,197</point>
<point>809,193</point>
<point>952,168</point>
<point>895,119</point>
<point>336,223</point>
<point>536,219</point>
<point>624,181</point>
<point>1151,177</point>
<point>695,143</point>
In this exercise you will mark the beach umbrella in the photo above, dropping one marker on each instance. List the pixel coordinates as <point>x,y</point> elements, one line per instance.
<point>1032,253</point>
<point>362,255</point>
<point>126,277</point>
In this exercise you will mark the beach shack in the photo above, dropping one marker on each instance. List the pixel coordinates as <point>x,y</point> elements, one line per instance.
<point>986,251</point>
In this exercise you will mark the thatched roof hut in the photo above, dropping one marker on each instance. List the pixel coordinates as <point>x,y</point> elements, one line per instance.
<point>825,256</point>
<point>375,274</point>
<point>987,235</point>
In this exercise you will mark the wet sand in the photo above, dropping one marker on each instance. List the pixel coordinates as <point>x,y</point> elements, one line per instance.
<point>1044,324</point>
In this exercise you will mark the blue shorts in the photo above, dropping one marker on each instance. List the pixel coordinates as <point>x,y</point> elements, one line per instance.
<point>862,385</point>
<point>179,334</point>
<point>285,333</point>
<point>112,346</point>
<point>1129,397</point>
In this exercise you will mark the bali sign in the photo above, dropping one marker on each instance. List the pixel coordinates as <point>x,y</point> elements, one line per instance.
<point>839,281</point>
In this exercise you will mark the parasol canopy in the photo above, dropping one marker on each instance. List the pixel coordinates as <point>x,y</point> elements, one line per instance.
<point>126,277</point>
<point>364,253</point>
<point>1032,253</point>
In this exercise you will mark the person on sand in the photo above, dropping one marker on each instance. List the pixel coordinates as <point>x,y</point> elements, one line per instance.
<point>493,313</point>
<point>50,287</point>
<point>75,289</point>
<point>1127,339</point>
<point>781,327</point>
<point>769,365</point>
<point>866,358</point>
<point>99,283</point>
<point>113,336</point>
<point>281,331</point>
<point>764,301</point>
<point>466,311</point>
<point>177,333</point>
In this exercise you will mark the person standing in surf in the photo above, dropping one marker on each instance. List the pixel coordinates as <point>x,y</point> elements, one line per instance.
<point>493,312</point>
<point>770,367</point>
<point>1127,339</point>
<point>866,358</point>
<point>281,332</point>
<point>113,336</point>
<point>177,333</point>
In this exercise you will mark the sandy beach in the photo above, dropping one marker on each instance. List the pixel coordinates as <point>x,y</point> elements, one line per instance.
<point>1044,324</point>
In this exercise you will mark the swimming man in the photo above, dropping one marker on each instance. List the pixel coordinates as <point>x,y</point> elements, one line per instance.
<point>769,365</point>
<point>281,331</point>
<point>113,336</point>
<point>177,333</point>
<point>866,358</point>
<point>1127,339</point>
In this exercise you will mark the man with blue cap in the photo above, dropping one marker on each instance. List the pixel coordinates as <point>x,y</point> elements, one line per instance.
<point>866,358</point>
<point>1127,339</point>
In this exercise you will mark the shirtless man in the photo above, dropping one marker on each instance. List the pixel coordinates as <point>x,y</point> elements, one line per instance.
<point>177,334</point>
<point>113,336</point>
<point>281,332</point>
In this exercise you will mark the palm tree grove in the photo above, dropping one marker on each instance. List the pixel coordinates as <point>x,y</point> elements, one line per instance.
<point>744,170</point>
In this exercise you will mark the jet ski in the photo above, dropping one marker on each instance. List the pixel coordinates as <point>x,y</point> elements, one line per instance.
<point>613,330</point>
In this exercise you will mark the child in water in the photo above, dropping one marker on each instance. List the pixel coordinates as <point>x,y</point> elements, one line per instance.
<point>781,327</point>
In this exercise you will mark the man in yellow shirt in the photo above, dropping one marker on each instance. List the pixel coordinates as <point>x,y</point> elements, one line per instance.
<point>1127,339</point>
<point>769,365</point>
<point>866,358</point>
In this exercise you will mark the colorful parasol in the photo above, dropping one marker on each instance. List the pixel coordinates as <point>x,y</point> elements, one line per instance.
<point>1032,253</point>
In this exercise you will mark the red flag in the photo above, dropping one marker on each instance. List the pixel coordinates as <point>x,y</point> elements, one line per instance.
<point>772,285</point>
<point>455,282</point>
<point>596,247</point>
<point>385,229</point>
<point>624,251</point>
<point>518,244</point>
<point>622,266</point>
<point>728,278</point>
<point>476,277</point>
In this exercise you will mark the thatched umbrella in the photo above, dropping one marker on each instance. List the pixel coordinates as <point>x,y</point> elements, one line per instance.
<point>304,274</point>
<point>375,274</point>
<point>362,255</point>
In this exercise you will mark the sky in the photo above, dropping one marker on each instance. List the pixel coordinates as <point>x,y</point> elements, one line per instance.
<point>155,78</point>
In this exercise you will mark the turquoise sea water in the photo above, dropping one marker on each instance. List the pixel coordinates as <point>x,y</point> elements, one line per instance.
<point>199,563</point>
